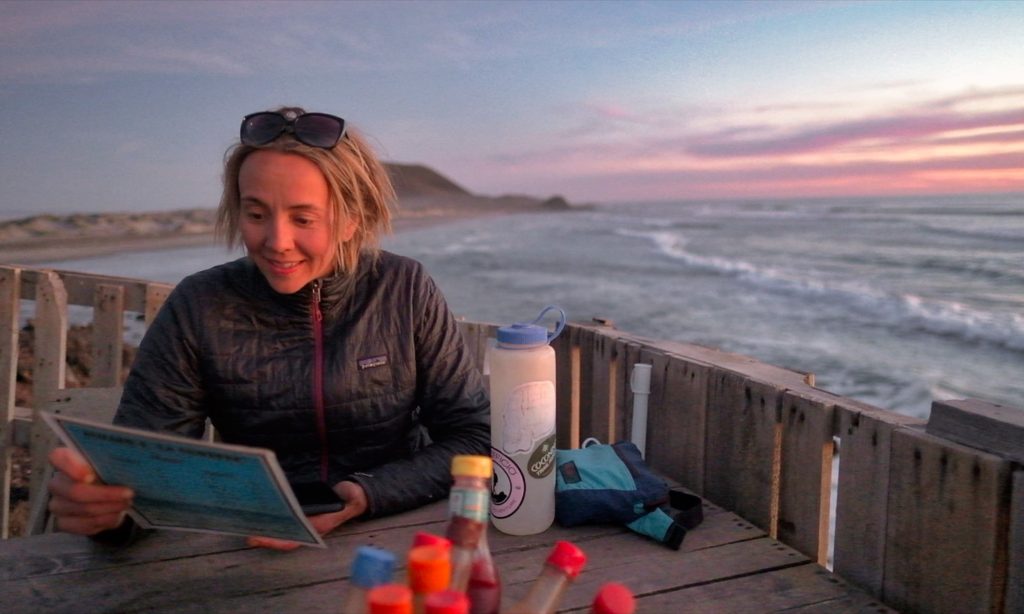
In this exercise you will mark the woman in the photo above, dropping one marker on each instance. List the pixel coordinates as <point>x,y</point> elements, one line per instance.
<point>317,345</point>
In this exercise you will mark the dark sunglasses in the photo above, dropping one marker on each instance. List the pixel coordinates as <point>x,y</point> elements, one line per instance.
<point>313,129</point>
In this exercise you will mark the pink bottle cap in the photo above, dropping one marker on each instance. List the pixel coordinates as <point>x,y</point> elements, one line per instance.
<point>614,598</point>
<point>567,557</point>
<point>422,538</point>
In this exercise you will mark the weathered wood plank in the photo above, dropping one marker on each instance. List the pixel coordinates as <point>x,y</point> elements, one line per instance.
<point>1015,557</point>
<point>567,389</point>
<point>676,418</point>
<point>477,337</point>
<point>10,303</point>
<point>947,526</point>
<point>247,580</point>
<point>995,428</point>
<point>806,473</point>
<point>61,554</point>
<point>584,338</point>
<point>741,449</point>
<point>51,328</point>
<point>108,335</point>
<point>81,287</point>
<point>604,418</point>
<point>862,498</point>
<point>629,355</point>
<point>156,294</point>
<point>804,588</point>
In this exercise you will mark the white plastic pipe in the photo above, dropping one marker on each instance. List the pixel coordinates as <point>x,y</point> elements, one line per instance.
<point>640,383</point>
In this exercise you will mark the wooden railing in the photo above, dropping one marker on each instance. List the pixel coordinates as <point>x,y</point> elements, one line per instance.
<point>924,523</point>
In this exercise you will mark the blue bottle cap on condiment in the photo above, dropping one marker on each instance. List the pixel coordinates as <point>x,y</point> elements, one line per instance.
<point>372,567</point>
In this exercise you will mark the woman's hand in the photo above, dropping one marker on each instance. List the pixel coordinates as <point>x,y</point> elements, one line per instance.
<point>78,503</point>
<point>355,505</point>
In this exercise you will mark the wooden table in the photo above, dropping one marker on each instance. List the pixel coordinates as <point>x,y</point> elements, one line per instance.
<point>725,565</point>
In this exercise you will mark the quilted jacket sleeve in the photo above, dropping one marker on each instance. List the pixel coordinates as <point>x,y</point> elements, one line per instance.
<point>163,391</point>
<point>454,407</point>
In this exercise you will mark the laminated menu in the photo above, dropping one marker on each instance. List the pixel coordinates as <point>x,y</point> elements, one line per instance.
<point>191,485</point>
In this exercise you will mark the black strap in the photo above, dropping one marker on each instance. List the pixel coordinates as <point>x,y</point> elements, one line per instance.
<point>690,508</point>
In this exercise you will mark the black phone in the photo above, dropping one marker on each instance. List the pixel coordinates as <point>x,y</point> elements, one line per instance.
<point>317,498</point>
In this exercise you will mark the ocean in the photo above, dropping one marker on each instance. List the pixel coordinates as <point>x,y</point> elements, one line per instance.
<point>892,301</point>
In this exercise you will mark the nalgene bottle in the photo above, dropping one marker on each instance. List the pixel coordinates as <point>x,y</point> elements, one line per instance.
<point>522,369</point>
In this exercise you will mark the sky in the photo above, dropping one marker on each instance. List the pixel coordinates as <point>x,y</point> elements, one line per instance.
<point>130,106</point>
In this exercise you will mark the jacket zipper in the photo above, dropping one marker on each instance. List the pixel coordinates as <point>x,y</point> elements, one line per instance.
<point>318,378</point>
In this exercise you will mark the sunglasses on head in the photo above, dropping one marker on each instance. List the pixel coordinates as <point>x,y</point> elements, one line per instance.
<point>313,129</point>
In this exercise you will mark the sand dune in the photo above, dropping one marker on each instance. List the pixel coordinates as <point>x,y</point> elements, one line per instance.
<point>424,197</point>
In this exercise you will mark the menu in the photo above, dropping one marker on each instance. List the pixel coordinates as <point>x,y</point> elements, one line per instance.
<point>191,485</point>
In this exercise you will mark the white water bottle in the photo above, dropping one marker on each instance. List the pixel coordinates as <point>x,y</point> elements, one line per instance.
<point>522,368</point>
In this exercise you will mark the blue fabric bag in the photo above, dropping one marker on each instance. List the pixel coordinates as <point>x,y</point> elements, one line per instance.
<point>604,483</point>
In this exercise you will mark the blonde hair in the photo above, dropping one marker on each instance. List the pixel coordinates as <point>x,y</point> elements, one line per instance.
<point>358,185</point>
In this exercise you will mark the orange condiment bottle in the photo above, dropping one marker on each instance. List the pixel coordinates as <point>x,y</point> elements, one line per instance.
<point>430,571</point>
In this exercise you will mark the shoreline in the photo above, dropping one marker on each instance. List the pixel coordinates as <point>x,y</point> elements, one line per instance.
<point>58,248</point>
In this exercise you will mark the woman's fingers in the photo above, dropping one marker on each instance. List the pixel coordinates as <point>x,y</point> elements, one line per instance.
<point>78,503</point>
<point>71,464</point>
<point>89,525</point>
<point>63,485</point>
<point>273,544</point>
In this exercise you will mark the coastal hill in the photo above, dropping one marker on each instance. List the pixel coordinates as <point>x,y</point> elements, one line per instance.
<point>425,196</point>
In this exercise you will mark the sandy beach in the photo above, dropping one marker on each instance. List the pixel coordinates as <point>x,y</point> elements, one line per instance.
<point>425,198</point>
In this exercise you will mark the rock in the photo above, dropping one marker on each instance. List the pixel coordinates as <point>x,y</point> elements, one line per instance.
<point>556,202</point>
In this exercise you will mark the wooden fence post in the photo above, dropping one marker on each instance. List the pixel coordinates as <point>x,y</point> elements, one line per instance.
<point>742,447</point>
<point>107,335</point>
<point>1015,560</point>
<point>806,472</point>
<point>677,418</point>
<point>51,329</point>
<point>948,517</point>
<point>862,500</point>
<point>10,307</point>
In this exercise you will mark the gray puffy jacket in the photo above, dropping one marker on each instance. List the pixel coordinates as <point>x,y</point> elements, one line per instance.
<point>339,388</point>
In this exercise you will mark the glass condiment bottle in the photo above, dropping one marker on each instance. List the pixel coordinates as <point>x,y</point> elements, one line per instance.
<point>473,569</point>
<point>430,571</point>
<point>561,567</point>
<point>446,602</point>
<point>371,567</point>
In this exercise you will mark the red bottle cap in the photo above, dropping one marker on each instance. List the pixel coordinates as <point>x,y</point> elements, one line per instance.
<point>446,602</point>
<point>614,598</point>
<point>422,538</point>
<point>567,557</point>
<point>389,599</point>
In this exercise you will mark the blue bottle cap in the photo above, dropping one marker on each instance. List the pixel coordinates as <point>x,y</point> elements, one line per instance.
<point>522,333</point>
<point>529,334</point>
<point>372,567</point>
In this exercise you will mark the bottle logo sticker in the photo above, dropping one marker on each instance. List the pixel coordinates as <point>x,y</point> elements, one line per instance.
<point>542,461</point>
<point>508,486</point>
<point>529,417</point>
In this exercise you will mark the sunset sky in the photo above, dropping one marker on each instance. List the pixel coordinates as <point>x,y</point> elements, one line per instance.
<point>131,105</point>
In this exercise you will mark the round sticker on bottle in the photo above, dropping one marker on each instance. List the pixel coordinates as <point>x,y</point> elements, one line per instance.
<point>542,461</point>
<point>508,486</point>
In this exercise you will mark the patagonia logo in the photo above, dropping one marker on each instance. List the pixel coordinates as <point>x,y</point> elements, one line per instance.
<point>372,361</point>
<point>570,473</point>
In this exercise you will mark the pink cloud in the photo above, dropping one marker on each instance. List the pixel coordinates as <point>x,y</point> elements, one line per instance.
<point>829,136</point>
